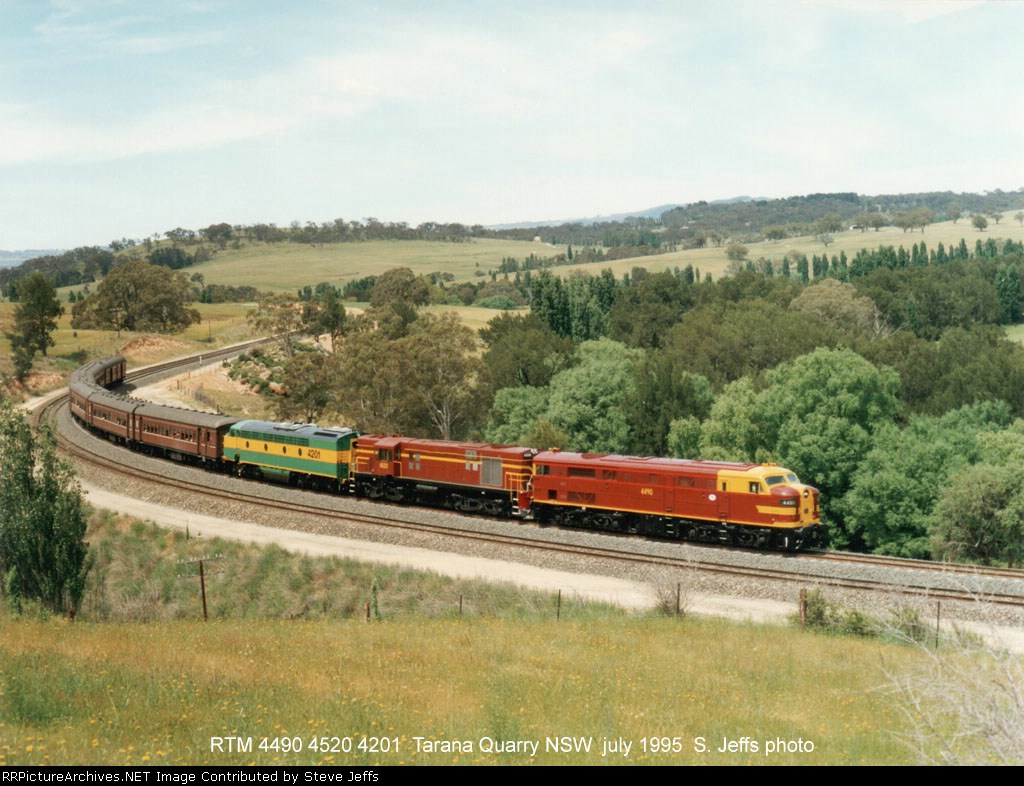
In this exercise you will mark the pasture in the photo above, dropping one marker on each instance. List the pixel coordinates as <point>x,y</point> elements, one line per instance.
<point>290,266</point>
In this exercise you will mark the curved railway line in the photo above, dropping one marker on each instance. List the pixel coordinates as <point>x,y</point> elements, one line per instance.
<point>854,572</point>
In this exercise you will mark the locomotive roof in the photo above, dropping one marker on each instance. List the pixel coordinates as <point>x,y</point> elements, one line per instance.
<point>640,462</point>
<point>293,429</point>
<point>393,440</point>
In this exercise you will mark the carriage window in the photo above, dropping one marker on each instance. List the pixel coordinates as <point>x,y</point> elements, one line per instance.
<point>607,474</point>
<point>724,486</point>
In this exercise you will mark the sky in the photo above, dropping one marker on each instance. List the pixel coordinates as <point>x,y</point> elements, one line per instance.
<point>128,118</point>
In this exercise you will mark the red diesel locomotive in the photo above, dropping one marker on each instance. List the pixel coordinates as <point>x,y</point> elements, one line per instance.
<point>753,505</point>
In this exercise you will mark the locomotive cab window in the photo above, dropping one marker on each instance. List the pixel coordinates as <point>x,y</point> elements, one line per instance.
<point>384,454</point>
<point>755,487</point>
<point>542,469</point>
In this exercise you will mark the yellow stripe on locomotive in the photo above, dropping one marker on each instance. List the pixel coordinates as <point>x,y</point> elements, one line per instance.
<point>290,448</point>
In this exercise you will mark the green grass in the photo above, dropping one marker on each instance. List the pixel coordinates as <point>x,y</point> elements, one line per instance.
<point>139,679</point>
<point>290,266</point>
<point>157,694</point>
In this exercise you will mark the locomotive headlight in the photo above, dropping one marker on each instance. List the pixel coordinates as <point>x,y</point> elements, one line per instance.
<point>807,493</point>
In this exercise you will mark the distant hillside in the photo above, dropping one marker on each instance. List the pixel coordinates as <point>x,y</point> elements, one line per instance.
<point>13,258</point>
<point>651,212</point>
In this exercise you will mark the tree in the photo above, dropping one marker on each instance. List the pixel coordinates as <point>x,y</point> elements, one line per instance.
<point>441,373</point>
<point>279,315</point>
<point>36,313</point>
<point>979,221</point>
<point>325,313</point>
<point>377,398</point>
<point>839,304</point>
<point>736,252</point>
<point>647,310</point>
<point>586,401</point>
<point>662,392</point>
<point>981,515</point>
<point>826,226</point>
<point>138,296</point>
<point>43,556</point>
<point>399,285</point>
<point>170,256</point>
<point>1019,217</point>
<point>308,377</point>
<point>895,488</point>
<point>218,233</point>
<point>516,414</point>
<point>522,351</point>
<point>726,341</point>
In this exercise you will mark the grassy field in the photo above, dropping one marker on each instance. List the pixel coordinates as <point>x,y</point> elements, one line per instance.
<point>714,261</point>
<point>290,266</point>
<point>324,692</point>
<point>289,668</point>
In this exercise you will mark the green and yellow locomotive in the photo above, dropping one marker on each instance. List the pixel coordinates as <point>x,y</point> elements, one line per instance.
<point>304,455</point>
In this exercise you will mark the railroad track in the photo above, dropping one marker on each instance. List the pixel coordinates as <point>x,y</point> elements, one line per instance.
<point>525,538</point>
<point>904,563</point>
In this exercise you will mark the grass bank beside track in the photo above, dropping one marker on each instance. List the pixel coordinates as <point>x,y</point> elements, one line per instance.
<point>288,656</point>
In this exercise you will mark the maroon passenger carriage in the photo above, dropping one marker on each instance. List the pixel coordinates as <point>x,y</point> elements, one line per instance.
<point>174,432</point>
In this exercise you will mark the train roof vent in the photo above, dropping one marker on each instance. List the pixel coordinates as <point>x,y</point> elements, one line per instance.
<point>288,426</point>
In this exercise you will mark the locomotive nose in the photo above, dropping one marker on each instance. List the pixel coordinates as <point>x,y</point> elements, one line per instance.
<point>809,504</point>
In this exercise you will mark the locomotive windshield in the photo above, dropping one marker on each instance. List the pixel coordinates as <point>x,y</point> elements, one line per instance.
<point>775,480</point>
